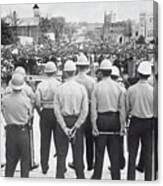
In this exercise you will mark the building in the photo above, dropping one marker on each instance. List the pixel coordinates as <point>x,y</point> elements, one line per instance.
<point>117,32</point>
<point>28,26</point>
<point>146,28</point>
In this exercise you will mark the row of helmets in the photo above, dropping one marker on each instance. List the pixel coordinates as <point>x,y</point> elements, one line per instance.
<point>143,68</point>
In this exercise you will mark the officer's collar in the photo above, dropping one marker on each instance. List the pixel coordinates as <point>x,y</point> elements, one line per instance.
<point>106,78</point>
<point>70,79</point>
<point>143,81</point>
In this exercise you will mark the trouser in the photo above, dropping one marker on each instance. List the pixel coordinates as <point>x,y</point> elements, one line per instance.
<point>47,127</point>
<point>141,159</point>
<point>107,122</point>
<point>62,143</point>
<point>121,152</point>
<point>17,148</point>
<point>140,129</point>
<point>89,142</point>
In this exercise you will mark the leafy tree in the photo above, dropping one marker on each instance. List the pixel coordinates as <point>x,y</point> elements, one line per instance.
<point>57,25</point>
<point>141,40</point>
<point>44,24</point>
<point>7,36</point>
<point>69,30</point>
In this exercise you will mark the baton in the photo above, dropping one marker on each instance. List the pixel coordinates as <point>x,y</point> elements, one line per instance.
<point>33,165</point>
<point>111,133</point>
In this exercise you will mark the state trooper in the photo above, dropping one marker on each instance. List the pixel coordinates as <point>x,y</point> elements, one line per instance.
<point>71,109</point>
<point>88,82</point>
<point>17,111</point>
<point>115,75</point>
<point>44,102</point>
<point>139,104</point>
<point>106,113</point>
<point>27,90</point>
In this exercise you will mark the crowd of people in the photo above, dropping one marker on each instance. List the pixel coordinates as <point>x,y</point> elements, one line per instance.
<point>101,109</point>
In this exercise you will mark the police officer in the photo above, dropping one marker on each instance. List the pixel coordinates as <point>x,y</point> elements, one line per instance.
<point>71,109</point>
<point>89,83</point>
<point>30,94</point>
<point>16,109</point>
<point>139,104</point>
<point>44,102</point>
<point>107,112</point>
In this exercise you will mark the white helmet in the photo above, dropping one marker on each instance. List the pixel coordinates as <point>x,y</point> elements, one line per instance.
<point>50,67</point>
<point>106,65</point>
<point>17,81</point>
<point>82,60</point>
<point>20,70</point>
<point>69,66</point>
<point>144,68</point>
<point>115,71</point>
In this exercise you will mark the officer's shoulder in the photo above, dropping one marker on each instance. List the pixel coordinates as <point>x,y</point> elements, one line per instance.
<point>6,97</point>
<point>132,87</point>
<point>79,85</point>
<point>90,78</point>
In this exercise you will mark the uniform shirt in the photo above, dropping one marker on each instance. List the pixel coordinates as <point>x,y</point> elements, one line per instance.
<point>139,100</point>
<point>107,96</point>
<point>16,108</point>
<point>45,92</point>
<point>155,101</point>
<point>71,99</point>
<point>87,81</point>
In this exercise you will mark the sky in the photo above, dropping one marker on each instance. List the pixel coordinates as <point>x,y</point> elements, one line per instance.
<point>85,11</point>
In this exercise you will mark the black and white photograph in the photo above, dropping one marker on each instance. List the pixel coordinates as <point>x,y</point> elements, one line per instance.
<point>79,90</point>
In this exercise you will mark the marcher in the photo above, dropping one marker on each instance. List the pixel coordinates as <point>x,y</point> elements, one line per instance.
<point>89,83</point>
<point>106,112</point>
<point>139,104</point>
<point>71,109</point>
<point>17,112</point>
<point>44,102</point>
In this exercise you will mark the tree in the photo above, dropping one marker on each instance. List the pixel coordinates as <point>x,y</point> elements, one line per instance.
<point>141,40</point>
<point>44,24</point>
<point>7,36</point>
<point>57,25</point>
<point>69,30</point>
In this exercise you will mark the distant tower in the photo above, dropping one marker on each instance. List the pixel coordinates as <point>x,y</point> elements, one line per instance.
<point>36,10</point>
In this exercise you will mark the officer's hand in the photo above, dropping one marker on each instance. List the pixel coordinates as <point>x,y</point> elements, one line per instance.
<point>67,131</point>
<point>95,131</point>
<point>122,132</point>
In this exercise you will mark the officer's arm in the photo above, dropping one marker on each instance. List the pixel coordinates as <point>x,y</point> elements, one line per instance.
<point>127,103</point>
<point>93,108</point>
<point>38,100</point>
<point>29,108</point>
<point>32,97</point>
<point>57,111</point>
<point>84,109</point>
<point>122,109</point>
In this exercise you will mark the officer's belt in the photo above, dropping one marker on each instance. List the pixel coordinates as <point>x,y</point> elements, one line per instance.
<point>14,126</point>
<point>47,104</point>
<point>107,113</point>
